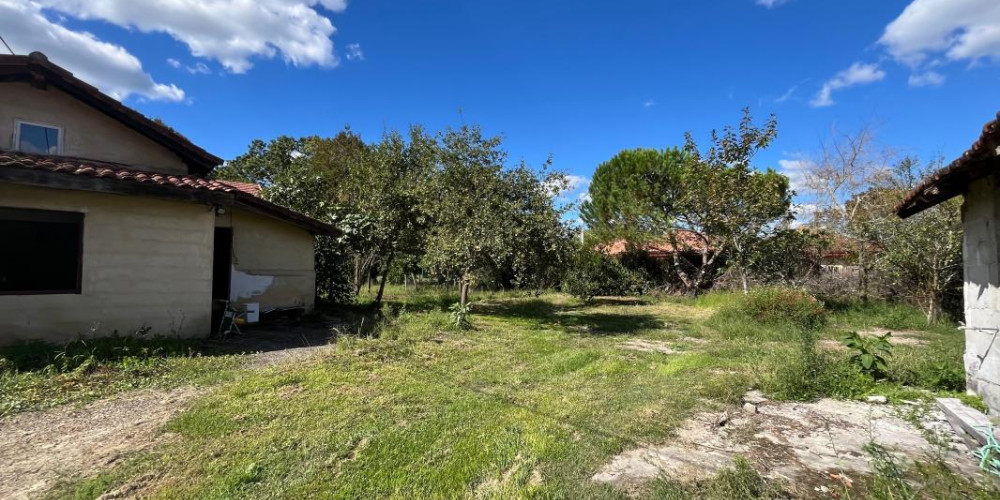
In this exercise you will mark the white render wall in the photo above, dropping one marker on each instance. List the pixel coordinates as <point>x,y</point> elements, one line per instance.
<point>981,249</point>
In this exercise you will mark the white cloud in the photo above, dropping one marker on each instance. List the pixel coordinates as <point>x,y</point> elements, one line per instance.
<point>232,32</point>
<point>770,3</point>
<point>354,52</point>
<point>788,94</point>
<point>577,182</point>
<point>926,79</point>
<point>804,213</point>
<point>957,29</point>
<point>857,74</point>
<point>649,103</point>
<point>796,171</point>
<point>198,68</point>
<point>109,67</point>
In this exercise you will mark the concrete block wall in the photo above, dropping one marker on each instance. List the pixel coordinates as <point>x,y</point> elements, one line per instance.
<point>981,252</point>
<point>146,262</point>
<point>273,262</point>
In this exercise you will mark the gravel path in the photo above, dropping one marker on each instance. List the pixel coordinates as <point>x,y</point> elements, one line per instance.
<point>39,448</point>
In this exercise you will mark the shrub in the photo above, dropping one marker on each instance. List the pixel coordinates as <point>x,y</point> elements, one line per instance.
<point>771,305</point>
<point>595,274</point>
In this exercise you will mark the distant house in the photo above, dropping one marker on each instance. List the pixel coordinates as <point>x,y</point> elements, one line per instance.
<point>108,221</point>
<point>689,242</point>
<point>976,176</point>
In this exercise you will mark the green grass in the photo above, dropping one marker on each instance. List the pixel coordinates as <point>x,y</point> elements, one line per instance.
<point>529,403</point>
<point>37,375</point>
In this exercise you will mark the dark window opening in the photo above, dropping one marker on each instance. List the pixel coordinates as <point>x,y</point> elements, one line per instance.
<point>40,251</point>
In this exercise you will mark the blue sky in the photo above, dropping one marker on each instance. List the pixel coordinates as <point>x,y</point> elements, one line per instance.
<point>577,80</point>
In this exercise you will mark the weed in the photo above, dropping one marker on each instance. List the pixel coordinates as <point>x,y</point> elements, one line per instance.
<point>460,315</point>
<point>870,353</point>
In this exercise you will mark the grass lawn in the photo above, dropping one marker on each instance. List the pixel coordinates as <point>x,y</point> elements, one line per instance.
<point>529,403</point>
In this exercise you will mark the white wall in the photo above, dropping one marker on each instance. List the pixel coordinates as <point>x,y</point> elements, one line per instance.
<point>981,249</point>
<point>146,262</point>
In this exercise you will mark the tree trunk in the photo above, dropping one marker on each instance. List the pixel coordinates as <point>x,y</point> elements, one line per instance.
<point>464,292</point>
<point>385,276</point>
<point>743,276</point>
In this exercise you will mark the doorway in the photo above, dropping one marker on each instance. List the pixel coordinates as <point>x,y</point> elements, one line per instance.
<point>222,268</point>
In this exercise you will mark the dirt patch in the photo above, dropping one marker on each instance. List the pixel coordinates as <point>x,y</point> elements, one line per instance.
<point>648,346</point>
<point>802,443</point>
<point>38,449</point>
<point>899,337</point>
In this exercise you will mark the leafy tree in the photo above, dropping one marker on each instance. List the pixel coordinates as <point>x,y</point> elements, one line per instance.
<point>623,203</point>
<point>389,184</point>
<point>733,206</point>
<point>488,219</point>
<point>711,204</point>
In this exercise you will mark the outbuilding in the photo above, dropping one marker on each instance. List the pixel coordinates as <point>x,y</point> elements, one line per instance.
<point>976,177</point>
<point>110,222</point>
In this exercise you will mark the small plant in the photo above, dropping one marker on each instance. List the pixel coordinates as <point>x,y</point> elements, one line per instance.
<point>460,316</point>
<point>870,353</point>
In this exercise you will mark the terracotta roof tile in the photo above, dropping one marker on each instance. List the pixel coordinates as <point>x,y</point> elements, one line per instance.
<point>244,194</point>
<point>92,168</point>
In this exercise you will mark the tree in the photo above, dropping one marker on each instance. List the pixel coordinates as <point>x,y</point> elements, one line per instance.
<point>389,184</point>
<point>622,203</point>
<point>489,220</point>
<point>714,205</point>
<point>920,257</point>
<point>840,179</point>
<point>730,203</point>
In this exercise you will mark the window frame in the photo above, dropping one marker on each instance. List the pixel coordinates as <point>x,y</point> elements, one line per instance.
<point>17,134</point>
<point>50,216</point>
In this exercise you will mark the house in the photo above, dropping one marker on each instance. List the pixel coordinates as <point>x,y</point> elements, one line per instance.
<point>976,176</point>
<point>109,222</point>
<point>690,243</point>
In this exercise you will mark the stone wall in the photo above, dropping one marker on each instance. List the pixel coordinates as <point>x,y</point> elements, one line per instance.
<point>981,249</point>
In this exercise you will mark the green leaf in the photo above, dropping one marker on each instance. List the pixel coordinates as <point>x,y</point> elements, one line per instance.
<point>867,360</point>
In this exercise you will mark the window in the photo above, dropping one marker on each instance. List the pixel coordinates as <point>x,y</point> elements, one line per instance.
<point>37,138</point>
<point>40,251</point>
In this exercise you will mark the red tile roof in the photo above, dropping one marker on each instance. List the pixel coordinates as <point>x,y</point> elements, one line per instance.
<point>242,194</point>
<point>246,187</point>
<point>689,241</point>
<point>978,161</point>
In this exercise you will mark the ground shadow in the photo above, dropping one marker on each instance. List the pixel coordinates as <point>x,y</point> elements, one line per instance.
<point>574,317</point>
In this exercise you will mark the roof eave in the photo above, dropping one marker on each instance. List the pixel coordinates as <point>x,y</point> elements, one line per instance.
<point>36,70</point>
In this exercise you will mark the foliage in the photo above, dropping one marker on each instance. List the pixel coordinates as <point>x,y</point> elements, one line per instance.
<point>870,352</point>
<point>726,199</point>
<point>596,274</point>
<point>623,203</point>
<point>460,315</point>
<point>775,304</point>
<point>488,219</point>
<point>921,257</point>
<point>705,204</point>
